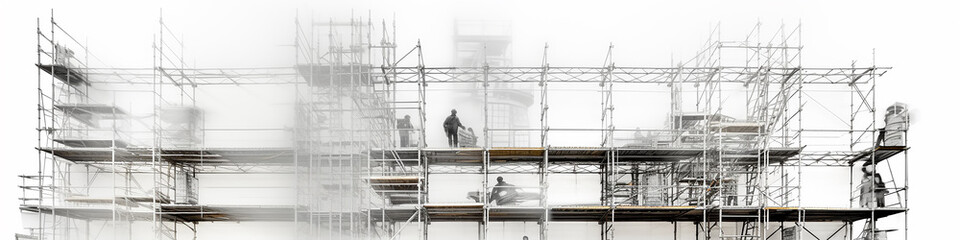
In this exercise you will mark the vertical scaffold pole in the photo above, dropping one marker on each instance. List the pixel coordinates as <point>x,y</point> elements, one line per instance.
<point>545,165</point>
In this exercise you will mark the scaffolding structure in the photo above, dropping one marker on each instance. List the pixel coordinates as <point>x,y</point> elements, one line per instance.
<point>726,174</point>
<point>732,178</point>
<point>120,150</point>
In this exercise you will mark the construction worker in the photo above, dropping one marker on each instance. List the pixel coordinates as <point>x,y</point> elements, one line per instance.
<point>450,127</point>
<point>881,134</point>
<point>503,192</point>
<point>404,127</point>
<point>872,189</point>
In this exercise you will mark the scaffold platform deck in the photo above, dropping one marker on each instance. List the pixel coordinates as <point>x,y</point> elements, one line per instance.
<point>395,183</point>
<point>594,155</point>
<point>233,213</point>
<point>92,143</point>
<point>190,156</point>
<point>882,153</point>
<point>67,75</point>
<point>105,212</point>
<point>91,109</point>
<point>179,212</point>
<point>597,213</point>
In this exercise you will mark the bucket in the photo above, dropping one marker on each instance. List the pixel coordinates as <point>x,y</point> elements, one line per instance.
<point>897,121</point>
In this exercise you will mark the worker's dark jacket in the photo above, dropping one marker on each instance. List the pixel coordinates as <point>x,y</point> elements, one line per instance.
<point>452,123</point>
<point>503,192</point>
<point>405,126</point>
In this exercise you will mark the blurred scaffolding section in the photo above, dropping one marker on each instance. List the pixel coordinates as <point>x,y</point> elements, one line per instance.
<point>343,111</point>
<point>488,43</point>
<point>122,151</point>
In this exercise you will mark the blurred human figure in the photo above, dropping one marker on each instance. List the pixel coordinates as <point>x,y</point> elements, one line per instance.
<point>404,126</point>
<point>872,188</point>
<point>474,136</point>
<point>503,192</point>
<point>471,139</point>
<point>450,127</point>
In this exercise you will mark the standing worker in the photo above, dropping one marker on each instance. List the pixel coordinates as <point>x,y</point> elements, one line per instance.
<point>450,127</point>
<point>404,126</point>
<point>872,188</point>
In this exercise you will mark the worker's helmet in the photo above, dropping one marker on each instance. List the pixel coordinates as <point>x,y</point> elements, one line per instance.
<point>499,179</point>
<point>406,116</point>
<point>454,111</point>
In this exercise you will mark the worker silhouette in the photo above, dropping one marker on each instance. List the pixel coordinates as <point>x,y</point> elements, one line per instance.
<point>503,192</point>
<point>872,188</point>
<point>404,126</point>
<point>450,127</point>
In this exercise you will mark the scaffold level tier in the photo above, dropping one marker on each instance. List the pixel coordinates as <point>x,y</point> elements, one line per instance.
<point>325,75</point>
<point>91,143</point>
<point>102,110</point>
<point>474,213</point>
<point>881,153</point>
<point>208,156</point>
<point>105,212</point>
<point>395,183</point>
<point>398,189</point>
<point>593,155</point>
<point>68,75</point>
<point>618,74</point>
<point>186,213</point>
<point>444,74</point>
<point>234,213</point>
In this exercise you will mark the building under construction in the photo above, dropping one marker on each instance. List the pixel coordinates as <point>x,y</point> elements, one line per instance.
<point>139,153</point>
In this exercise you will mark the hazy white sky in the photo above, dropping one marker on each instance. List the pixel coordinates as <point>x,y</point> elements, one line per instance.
<point>917,38</point>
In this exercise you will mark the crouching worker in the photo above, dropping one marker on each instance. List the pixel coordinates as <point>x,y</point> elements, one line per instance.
<point>504,193</point>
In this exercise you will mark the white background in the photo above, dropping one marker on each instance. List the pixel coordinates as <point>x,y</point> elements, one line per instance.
<point>917,38</point>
